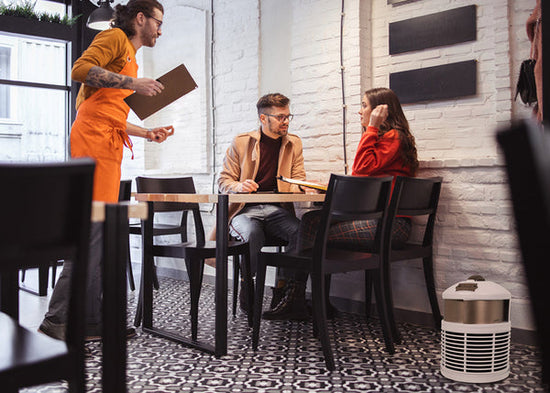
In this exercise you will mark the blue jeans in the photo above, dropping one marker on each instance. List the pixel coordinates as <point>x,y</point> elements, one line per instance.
<point>256,223</point>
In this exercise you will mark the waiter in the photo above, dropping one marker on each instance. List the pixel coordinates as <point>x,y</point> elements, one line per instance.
<point>108,73</point>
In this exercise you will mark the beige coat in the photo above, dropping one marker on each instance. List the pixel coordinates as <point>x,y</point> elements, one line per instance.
<point>242,161</point>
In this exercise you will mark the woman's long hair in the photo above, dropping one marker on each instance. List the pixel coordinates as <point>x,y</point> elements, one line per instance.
<point>396,121</point>
<point>125,14</point>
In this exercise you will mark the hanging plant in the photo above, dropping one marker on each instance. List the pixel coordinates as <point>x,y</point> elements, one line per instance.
<point>26,10</point>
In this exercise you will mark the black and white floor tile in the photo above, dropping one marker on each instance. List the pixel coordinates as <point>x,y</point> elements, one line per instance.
<point>289,359</point>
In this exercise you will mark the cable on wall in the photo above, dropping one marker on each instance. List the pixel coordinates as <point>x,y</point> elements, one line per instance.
<point>342,69</point>
<point>212,102</point>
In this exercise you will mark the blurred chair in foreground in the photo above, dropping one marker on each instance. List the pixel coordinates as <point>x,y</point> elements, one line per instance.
<point>59,196</point>
<point>526,149</point>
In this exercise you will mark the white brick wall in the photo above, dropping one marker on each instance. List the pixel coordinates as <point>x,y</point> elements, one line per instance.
<point>455,138</point>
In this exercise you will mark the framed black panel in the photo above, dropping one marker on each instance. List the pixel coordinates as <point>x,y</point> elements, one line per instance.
<point>435,83</point>
<point>442,28</point>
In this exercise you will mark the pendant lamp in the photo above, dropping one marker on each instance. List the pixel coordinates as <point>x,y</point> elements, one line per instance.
<point>100,18</point>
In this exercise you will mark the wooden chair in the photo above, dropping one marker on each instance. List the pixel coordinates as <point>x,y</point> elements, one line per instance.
<point>125,194</point>
<point>412,197</point>
<point>525,148</point>
<point>193,252</point>
<point>348,198</point>
<point>59,196</point>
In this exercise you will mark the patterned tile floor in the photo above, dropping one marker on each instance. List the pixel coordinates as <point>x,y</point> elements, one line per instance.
<point>289,359</point>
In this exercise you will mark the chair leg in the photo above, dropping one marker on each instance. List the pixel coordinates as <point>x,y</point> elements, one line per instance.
<point>368,293</point>
<point>54,273</point>
<point>139,306</point>
<point>249,282</point>
<point>155,278</point>
<point>195,268</point>
<point>387,288</point>
<point>430,286</point>
<point>235,283</point>
<point>258,301</point>
<point>320,317</point>
<point>382,307</point>
<point>130,273</point>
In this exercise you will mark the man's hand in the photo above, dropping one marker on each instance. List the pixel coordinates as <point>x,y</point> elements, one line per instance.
<point>159,134</point>
<point>147,86</point>
<point>248,186</point>
<point>378,115</point>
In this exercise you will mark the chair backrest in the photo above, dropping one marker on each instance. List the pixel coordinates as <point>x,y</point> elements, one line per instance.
<point>353,198</point>
<point>125,190</point>
<point>526,150</point>
<point>59,197</point>
<point>174,185</point>
<point>413,196</point>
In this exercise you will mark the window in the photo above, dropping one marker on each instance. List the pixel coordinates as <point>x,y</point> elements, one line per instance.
<point>34,109</point>
<point>34,93</point>
<point>5,73</point>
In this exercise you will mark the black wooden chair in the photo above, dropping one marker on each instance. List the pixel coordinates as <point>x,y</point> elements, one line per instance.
<point>412,197</point>
<point>193,252</point>
<point>59,196</point>
<point>525,148</point>
<point>348,198</point>
<point>125,194</point>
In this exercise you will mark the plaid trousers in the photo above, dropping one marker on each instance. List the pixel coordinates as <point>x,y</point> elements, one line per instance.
<point>356,234</point>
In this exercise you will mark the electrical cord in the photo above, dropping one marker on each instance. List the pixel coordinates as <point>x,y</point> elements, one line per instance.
<point>342,69</point>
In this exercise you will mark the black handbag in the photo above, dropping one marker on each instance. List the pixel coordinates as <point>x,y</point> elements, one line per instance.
<point>526,86</point>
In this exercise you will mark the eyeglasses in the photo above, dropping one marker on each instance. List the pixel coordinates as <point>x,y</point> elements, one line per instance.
<point>281,118</point>
<point>159,22</point>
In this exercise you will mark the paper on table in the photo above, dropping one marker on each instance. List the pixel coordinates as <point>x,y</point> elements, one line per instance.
<point>177,83</point>
<point>303,183</point>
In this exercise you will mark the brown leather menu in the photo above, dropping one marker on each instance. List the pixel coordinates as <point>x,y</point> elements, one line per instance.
<point>177,83</point>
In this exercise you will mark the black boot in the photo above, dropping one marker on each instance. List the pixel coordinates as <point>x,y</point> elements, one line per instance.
<point>293,304</point>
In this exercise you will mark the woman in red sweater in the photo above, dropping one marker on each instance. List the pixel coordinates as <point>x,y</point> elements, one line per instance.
<point>386,148</point>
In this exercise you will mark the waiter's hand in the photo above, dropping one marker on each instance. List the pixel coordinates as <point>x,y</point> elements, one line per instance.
<point>248,186</point>
<point>147,86</point>
<point>160,134</point>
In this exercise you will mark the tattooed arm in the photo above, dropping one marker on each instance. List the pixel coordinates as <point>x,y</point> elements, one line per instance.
<point>100,77</point>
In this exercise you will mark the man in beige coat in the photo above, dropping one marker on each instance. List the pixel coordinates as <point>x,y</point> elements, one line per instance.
<point>251,164</point>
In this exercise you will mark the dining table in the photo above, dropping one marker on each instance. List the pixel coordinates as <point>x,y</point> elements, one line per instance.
<point>222,202</point>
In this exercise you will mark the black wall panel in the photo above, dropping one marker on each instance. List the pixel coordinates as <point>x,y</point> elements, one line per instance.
<point>442,28</point>
<point>435,83</point>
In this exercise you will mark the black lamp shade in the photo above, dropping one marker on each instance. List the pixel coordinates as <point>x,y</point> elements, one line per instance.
<point>100,19</point>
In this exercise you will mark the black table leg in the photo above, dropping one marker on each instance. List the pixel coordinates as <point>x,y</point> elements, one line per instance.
<point>222,237</point>
<point>115,251</point>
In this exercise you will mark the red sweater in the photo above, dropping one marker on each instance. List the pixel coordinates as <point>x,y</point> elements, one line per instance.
<point>379,156</point>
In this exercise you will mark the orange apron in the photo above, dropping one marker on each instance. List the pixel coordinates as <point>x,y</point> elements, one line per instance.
<point>99,132</point>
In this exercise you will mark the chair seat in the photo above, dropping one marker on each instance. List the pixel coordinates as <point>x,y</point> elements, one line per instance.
<point>21,348</point>
<point>410,251</point>
<point>336,260</point>
<point>206,250</point>
<point>158,230</point>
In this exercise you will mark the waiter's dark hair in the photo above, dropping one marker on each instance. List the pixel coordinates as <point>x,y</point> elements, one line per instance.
<point>273,99</point>
<point>125,14</point>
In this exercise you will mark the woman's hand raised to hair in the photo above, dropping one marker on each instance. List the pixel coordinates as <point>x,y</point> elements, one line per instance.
<point>378,116</point>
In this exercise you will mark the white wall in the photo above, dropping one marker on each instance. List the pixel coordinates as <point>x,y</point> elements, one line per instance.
<point>456,138</point>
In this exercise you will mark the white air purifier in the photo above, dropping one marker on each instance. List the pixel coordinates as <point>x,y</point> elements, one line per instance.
<point>475,332</point>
